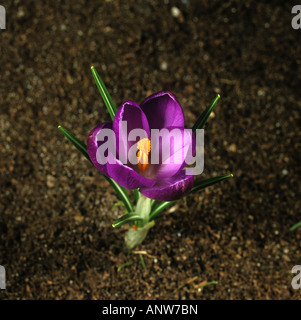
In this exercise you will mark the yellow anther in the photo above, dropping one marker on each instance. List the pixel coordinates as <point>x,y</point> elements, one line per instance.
<point>144,147</point>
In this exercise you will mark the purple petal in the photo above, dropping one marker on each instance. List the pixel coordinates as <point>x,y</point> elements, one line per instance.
<point>135,118</point>
<point>174,150</point>
<point>126,176</point>
<point>163,110</point>
<point>170,189</point>
<point>93,144</point>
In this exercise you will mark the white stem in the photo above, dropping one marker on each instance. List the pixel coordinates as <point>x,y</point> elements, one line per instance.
<point>143,208</point>
<point>135,237</point>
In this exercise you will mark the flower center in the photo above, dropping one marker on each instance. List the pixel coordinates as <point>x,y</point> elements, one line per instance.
<point>144,147</point>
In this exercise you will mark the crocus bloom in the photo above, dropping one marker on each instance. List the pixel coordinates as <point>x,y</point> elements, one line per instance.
<point>164,181</point>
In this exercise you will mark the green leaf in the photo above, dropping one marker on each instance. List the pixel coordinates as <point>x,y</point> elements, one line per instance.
<point>137,194</point>
<point>104,93</point>
<point>201,121</point>
<point>127,264</point>
<point>207,284</point>
<point>209,182</point>
<point>127,218</point>
<point>119,204</point>
<point>200,185</point>
<point>295,226</point>
<point>142,261</point>
<point>159,208</point>
<point>121,192</point>
<point>77,143</point>
<point>154,204</point>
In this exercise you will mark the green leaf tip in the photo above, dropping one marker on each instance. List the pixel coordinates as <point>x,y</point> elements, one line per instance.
<point>209,182</point>
<point>122,193</point>
<point>104,93</point>
<point>207,284</point>
<point>127,264</point>
<point>295,226</point>
<point>142,261</point>
<point>202,119</point>
<point>127,218</point>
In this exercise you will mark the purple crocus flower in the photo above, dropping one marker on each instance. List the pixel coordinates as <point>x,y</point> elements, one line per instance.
<point>164,181</point>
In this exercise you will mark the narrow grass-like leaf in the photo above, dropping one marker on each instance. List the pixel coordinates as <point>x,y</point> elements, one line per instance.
<point>137,194</point>
<point>159,208</point>
<point>127,264</point>
<point>207,284</point>
<point>201,121</point>
<point>209,182</point>
<point>104,93</point>
<point>117,204</point>
<point>142,261</point>
<point>76,142</point>
<point>295,226</point>
<point>121,192</point>
<point>127,218</point>
<point>200,185</point>
<point>154,204</point>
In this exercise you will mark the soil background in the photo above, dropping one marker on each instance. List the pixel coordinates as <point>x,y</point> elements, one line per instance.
<point>56,210</point>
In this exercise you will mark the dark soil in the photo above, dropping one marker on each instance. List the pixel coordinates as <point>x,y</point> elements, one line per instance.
<point>56,239</point>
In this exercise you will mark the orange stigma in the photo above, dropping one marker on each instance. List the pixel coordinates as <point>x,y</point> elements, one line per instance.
<point>144,147</point>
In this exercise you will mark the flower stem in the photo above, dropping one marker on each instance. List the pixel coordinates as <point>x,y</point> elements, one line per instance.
<point>135,236</point>
<point>143,209</point>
